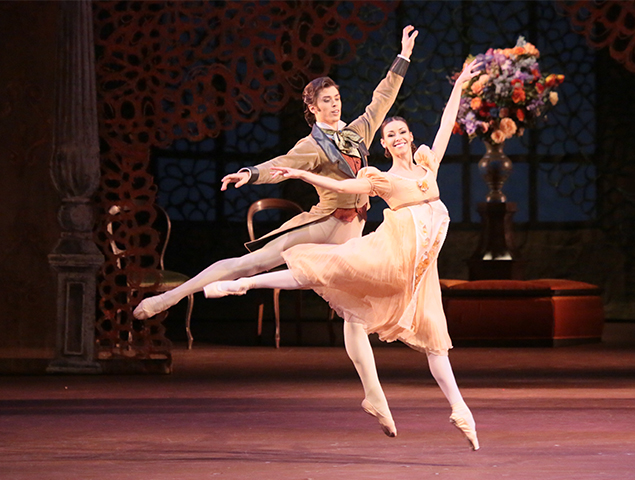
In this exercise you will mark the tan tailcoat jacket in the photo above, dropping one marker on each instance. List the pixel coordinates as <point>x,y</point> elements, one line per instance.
<point>308,155</point>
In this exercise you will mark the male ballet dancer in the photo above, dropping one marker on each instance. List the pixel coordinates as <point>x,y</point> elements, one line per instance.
<point>335,150</point>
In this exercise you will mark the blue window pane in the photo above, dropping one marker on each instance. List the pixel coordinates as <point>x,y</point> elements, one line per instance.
<point>566,192</point>
<point>186,188</point>
<point>254,137</point>
<point>238,201</point>
<point>377,207</point>
<point>449,180</point>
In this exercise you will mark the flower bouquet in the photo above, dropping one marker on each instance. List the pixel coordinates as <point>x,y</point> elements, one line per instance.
<point>510,94</point>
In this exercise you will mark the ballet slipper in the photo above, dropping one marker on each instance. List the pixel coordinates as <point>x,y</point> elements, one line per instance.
<point>469,432</point>
<point>215,290</point>
<point>149,307</point>
<point>385,421</point>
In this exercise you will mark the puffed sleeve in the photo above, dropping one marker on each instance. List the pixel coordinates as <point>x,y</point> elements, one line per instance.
<point>426,157</point>
<point>380,185</point>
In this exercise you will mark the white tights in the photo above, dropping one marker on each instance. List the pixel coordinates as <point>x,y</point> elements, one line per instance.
<point>356,339</point>
<point>359,349</point>
<point>356,342</point>
<point>442,372</point>
<point>328,231</point>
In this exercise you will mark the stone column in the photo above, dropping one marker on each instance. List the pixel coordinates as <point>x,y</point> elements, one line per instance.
<point>75,172</point>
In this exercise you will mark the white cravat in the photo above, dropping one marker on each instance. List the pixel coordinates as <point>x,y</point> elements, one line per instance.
<point>324,126</point>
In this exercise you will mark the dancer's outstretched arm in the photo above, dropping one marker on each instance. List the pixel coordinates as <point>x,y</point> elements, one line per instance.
<point>452,109</point>
<point>352,185</point>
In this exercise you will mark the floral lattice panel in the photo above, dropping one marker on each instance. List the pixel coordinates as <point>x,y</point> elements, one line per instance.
<point>193,69</point>
<point>608,24</point>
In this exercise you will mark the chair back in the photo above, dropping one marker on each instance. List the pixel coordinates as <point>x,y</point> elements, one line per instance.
<point>162,224</point>
<point>269,204</point>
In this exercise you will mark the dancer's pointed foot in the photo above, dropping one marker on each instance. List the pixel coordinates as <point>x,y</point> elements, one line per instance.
<point>224,288</point>
<point>467,430</point>
<point>150,307</point>
<point>385,420</point>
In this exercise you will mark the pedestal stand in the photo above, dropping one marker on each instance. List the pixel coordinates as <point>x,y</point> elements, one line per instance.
<point>496,256</point>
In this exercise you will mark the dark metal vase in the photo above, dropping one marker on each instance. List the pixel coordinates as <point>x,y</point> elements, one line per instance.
<point>496,257</point>
<point>495,167</point>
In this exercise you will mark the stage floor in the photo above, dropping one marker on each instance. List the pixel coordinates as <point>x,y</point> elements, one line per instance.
<point>260,413</point>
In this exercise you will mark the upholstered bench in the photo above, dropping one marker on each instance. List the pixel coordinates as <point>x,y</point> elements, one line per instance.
<point>545,312</point>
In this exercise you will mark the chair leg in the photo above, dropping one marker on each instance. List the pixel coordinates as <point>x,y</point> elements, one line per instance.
<point>188,319</point>
<point>329,320</point>
<point>261,311</point>
<point>276,309</point>
<point>298,317</point>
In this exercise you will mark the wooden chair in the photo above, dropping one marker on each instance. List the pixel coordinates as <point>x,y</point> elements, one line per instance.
<point>294,208</point>
<point>286,206</point>
<point>161,280</point>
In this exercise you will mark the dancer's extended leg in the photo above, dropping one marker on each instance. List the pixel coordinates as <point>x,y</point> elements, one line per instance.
<point>284,280</point>
<point>330,230</point>
<point>461,415</point>
<point>361,353</point>
<point>356,341</point>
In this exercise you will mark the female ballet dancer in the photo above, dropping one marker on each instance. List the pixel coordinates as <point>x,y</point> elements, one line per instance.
<point>388,280</point>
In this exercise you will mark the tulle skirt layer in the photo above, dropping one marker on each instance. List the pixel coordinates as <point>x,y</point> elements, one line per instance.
<point>387,280</point>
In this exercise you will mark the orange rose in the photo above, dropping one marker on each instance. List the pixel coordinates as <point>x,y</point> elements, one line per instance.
<point>498,136</point>
<point>518,95</point>
<point>553,98</point>
<point>508,127</point>
<point>476,103</point>
<point>520,114</point>
<point>531,50</point>
<point>550,81</point>
<point>477,87</point>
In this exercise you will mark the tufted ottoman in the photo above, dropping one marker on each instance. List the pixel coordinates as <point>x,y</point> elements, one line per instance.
<point>546,312</point>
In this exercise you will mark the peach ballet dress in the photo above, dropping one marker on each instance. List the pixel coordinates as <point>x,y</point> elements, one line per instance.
<point>388,280</point>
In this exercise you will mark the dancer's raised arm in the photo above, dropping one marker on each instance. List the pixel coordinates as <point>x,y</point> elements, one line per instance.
<point>452,109</point>
<point>351,185</point>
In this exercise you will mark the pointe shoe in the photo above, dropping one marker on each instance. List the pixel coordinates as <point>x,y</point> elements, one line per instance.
<point>385,421</point>
<point>149,307</point>
<point>469,432</point>
<point>213,291</point>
